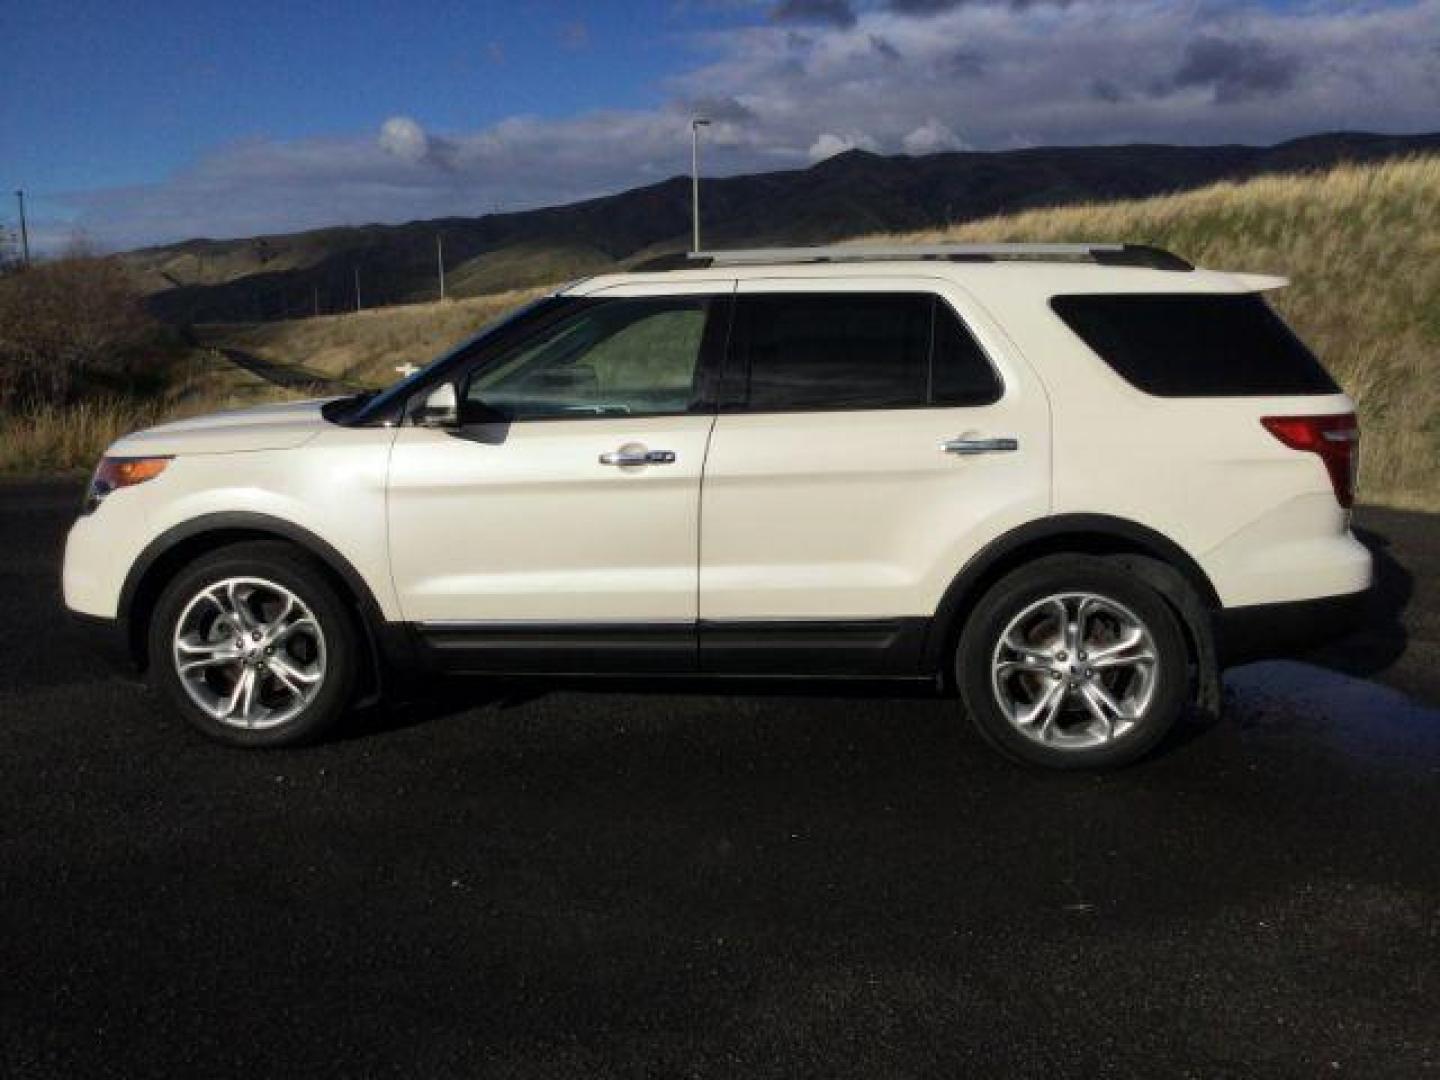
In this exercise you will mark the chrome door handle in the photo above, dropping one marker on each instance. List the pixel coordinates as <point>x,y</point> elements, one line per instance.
<point>638,457</point>
<point>966,447</point>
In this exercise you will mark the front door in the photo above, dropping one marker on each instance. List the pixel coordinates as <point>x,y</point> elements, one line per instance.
<point>557,528</point>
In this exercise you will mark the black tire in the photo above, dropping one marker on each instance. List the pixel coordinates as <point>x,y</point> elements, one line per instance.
<point>289,567</point>
<point>1058,575</point>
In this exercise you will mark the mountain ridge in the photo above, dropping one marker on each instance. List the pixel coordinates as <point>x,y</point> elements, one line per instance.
<point>284,275</point>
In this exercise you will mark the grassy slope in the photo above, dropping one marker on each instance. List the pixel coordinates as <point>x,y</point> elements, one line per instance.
<point>1361,243</point>
<point>65,438</point>
<point>1362,246</point>
<point>366,346</point>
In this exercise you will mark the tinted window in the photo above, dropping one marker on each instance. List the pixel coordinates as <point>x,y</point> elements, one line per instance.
<point>960,372</point>
<point>613,357</point>
<point>856,351</point>
<point>1196,346</point>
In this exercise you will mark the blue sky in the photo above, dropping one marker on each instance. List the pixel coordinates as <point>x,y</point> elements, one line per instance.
<point>158,120</point>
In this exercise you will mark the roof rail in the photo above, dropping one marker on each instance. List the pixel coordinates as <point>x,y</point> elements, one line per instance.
<point>1106,254</point>
<point>674,260</point>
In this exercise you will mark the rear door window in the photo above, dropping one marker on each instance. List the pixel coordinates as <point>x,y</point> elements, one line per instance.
<point>854,351</point>
<point>1193,345</point>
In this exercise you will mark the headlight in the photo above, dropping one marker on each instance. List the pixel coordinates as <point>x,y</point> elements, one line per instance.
<point>115,473</point>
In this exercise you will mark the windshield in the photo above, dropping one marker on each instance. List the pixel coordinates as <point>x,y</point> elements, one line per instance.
<point>377,404</point>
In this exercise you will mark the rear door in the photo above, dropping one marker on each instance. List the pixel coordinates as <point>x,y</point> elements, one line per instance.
<point>873,435</point>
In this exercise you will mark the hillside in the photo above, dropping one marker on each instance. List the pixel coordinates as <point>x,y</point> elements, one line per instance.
<point>276,277</point>
<point>1362,247</point>
<point>365,347</point>
<point>1362,244</point>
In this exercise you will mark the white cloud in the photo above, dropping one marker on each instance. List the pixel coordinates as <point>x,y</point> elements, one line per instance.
<point>1188,71</point>
<point>404,138</point>
<point>829,144</point>
<point>932,137</point>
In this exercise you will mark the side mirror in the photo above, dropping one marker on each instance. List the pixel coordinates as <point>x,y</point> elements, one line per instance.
<point>439,409</point>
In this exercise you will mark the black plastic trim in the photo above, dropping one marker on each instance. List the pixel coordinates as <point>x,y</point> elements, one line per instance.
<point>510,648</point>
<point>854,648</point>
<point>676,260</point>
<point>1143,255</point>
<point>1291,628</point>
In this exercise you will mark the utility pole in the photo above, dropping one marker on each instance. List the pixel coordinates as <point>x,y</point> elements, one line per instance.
<point>24,231</point>
<point>357,288</point>
<point>315,299</point>
<point>695,125</point>
<point>440,261</point>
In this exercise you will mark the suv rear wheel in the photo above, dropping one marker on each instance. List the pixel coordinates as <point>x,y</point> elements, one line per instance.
<point>1070,663</point>
<point>255,647</point>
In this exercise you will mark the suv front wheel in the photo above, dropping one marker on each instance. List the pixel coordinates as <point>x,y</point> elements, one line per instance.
<point>255,647</point>
<point>1071,663</point>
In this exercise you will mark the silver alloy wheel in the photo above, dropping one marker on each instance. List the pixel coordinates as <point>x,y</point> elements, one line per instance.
<point>249,652</point>
<point>1075,670</point>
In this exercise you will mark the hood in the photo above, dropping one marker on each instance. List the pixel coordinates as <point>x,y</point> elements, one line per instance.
<point>263,427</point>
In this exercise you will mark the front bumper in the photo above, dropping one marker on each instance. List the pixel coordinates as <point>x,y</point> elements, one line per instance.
<point>1289,629</point>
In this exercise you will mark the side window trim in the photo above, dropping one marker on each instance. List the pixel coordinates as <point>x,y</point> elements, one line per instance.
<point>997,378</point>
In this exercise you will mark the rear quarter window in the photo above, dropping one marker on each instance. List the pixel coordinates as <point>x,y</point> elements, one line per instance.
<point>1196,345</point>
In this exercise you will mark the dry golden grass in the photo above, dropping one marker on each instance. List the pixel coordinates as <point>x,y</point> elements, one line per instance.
<point>364,347</point>
<point>64,438</point>
<point>1362,247</point>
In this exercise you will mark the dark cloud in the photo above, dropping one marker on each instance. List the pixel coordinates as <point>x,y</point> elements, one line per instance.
<point>720,109</point>
<point>963,63</point>
<point>1236,69</point>
<point>884,48</point>
<point>936,7</point>
<point>1105,90</point>
<point>826,12</point>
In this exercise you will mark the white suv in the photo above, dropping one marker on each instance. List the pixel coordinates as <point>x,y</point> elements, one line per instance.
<point>1068,482</point>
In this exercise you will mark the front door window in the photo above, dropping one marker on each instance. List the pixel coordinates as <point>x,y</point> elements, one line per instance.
<point>612,358</point>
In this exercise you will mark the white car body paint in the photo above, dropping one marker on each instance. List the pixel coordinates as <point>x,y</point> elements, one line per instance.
<point>793,516</point>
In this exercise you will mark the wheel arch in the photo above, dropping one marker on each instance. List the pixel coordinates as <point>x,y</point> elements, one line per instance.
<point>173,549</point>
<point>1151,556</point>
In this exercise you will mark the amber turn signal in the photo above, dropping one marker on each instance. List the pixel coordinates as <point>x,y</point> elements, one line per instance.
<point>121,472</point>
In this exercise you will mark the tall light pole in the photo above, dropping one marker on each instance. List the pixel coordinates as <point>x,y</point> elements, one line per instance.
<point>440,262</point>
<point>357,288</point>
<point>24,231</point>
<point>695,125</point>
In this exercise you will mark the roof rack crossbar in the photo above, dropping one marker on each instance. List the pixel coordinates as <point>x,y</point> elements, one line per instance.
<point>1107,254</point>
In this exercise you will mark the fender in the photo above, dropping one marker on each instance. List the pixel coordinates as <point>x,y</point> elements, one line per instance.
<point>389,641</point>
<point>1099,534</point>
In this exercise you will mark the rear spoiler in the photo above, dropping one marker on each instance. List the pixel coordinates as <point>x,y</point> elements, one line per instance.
<point>1261,282</point>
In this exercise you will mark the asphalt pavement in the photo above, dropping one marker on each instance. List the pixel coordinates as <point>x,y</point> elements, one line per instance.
<point>580,883</point>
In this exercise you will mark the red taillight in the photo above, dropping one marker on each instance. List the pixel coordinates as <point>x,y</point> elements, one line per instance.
<point>1336,438</point>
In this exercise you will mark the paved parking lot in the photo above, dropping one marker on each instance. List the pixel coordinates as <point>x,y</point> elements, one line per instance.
<point>584,883</point>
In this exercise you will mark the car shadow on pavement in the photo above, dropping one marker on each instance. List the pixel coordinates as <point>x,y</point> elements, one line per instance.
<point>1373,648</point>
